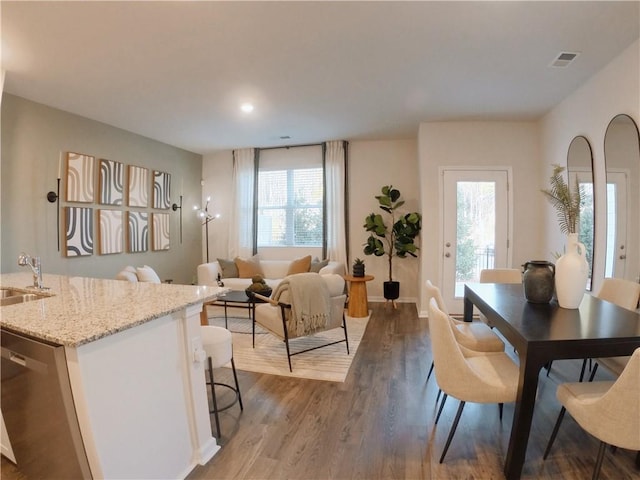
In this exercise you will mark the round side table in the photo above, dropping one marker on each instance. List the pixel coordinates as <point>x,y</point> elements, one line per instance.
<point>358,307</point>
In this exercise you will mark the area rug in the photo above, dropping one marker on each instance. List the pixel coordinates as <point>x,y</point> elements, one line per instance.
<point>270,355</point>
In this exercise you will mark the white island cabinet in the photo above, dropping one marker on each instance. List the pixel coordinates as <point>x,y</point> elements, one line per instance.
<point>134,363</point>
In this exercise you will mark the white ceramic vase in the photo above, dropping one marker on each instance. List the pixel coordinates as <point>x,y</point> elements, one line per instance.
<point>572,271</point>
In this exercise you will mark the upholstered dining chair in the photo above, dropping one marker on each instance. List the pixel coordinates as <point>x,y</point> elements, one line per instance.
<point>625,294</point>
<point>610,411</point>
<point>480,377</point>
<point>472,335</point>
<point>499,275</point>
<point>276,315</point>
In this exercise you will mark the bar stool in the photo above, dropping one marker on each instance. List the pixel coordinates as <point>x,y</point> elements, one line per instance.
<point>216,342</point>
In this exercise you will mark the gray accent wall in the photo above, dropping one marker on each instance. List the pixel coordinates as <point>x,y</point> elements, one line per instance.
<point>32,139</point>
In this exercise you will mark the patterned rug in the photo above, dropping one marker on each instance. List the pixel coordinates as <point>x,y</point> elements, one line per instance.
<point>270,355</point>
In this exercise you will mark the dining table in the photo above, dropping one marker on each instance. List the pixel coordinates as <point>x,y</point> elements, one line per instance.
<point>543,332</point>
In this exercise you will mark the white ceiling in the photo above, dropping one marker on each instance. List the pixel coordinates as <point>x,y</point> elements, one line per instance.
<point>178,71</point>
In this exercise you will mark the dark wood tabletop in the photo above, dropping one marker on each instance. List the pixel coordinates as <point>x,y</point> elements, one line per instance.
<point>541,333</point>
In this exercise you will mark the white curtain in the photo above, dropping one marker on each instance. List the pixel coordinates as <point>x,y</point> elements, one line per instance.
<point>241,221</point>
<point>335,162</point>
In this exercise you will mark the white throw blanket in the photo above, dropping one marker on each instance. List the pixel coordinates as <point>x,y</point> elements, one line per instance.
<point>310,302</point>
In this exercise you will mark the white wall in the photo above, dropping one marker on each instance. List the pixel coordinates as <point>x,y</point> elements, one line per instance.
<point>373,164</point>
<point>474,144</point>
<point>588,111</point>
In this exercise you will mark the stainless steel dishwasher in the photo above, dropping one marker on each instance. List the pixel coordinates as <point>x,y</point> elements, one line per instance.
<point>38,409</point>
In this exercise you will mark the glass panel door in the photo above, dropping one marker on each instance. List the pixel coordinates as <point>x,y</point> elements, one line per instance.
<point>475,213</point>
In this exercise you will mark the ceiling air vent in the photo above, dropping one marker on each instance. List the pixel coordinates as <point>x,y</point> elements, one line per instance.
<point>564,59</point>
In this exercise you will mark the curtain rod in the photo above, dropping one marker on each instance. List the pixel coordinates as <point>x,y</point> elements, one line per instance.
<point>292,146</point>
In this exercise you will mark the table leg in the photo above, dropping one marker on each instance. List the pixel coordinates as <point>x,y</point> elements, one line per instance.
<point>225,316</point>
<point>468,309</point>
<point>522,415</point>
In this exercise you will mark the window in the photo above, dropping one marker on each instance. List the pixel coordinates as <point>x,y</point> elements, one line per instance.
<point>290,198</point>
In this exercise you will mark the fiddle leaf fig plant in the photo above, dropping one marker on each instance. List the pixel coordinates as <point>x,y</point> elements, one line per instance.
<point>394,234</point>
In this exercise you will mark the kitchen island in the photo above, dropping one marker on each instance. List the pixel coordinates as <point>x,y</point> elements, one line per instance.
<point>134,360</point>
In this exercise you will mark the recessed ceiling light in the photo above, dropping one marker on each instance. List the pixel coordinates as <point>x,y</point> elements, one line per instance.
<point>246,107</point>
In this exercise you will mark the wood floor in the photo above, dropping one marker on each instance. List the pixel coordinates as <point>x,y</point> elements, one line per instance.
<point>379,423</point>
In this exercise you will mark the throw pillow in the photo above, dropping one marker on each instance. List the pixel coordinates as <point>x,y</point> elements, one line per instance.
<point>249,267</point>
<point>300,265</point>
<point>147,274</point>
<point>228,268</point>
<point>317,265</point>
<point>127,276</point>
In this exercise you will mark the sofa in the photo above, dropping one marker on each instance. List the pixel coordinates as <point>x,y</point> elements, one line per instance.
<point>236,274</point>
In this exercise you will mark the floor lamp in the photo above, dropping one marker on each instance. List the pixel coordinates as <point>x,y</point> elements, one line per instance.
<point>206,217</point>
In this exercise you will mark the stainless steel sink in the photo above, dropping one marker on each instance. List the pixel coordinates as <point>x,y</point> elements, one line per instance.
<point>12,297</point>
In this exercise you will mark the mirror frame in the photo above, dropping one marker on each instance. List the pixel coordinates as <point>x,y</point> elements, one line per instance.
<point>574,142</point>
<point>635,142</point>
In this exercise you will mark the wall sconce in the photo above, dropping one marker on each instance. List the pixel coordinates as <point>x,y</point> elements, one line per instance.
<point>206,217</point>
<point>54,197</point>
<point>175,207</point>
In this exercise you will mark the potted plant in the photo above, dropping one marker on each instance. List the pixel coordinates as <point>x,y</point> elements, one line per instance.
<point>394,237</point>
<point>572,269</point>
<point>358,267</point>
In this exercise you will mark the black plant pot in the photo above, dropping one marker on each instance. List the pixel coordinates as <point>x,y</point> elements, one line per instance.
<point>391,290</point>
<point>358,270</point>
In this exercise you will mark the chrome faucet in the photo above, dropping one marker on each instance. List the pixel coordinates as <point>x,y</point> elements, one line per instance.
<point>36,268</point>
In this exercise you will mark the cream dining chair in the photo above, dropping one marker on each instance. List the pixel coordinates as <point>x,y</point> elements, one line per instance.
<point>469,376</point>
<point>625,294</point>
<point>610,411</point>
<point>472,335</point>
<point>498,275</point>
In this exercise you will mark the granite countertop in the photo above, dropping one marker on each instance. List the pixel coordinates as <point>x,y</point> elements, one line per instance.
<point>79,310</point>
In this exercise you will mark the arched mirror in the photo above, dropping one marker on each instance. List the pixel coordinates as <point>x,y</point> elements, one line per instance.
<point>622,157</point>
<point>580,169</point>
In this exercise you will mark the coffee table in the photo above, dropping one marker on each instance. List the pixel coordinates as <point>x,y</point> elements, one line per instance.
<point>233,298</point>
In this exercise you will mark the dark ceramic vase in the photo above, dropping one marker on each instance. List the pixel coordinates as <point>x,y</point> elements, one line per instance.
<point>539,281</point>
<point>358,270</point>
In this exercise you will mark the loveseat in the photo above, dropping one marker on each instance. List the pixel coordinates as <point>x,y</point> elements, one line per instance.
<point>236,274</point>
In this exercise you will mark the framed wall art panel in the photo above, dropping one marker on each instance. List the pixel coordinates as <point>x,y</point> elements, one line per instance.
<point>111,187</point>
<point>78,231</point>
<point>138,229</point>
<point>80,177</point>
<point>110,231</point>
<point>161,190</point>
<point>138,186</point>
<point>160,231</point>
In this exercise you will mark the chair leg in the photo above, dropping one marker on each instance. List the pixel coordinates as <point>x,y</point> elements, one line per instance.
<point>453,430</point>
<point>438,396</point>
<point>346,337</point>
<point>213,396</point>
<point>444,399</point>
<point>638,459</point>
<point>286,342</point>
<point>430,371</point>
<point>584,366</point>
<point>593,372</point>
<point>500,408</point>
<point>548,367</point>
<point>596,469</point>
<point>554,433</point>
<point>235,377</point>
